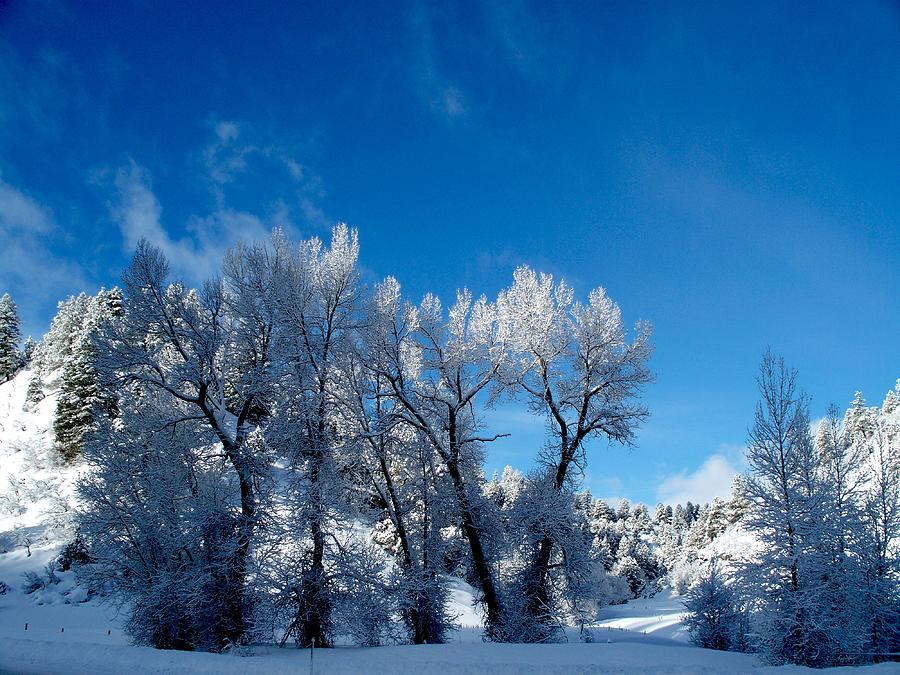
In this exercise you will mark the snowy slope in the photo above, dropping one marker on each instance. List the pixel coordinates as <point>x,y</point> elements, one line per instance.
<point>656,617</point>
<point>35,486</point>
<point>36,496</point>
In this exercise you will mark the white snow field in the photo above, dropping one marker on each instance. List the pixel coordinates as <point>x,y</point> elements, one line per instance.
<point>60,630</point>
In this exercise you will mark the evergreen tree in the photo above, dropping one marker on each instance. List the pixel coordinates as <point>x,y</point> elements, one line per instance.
<point>55,349</point>
<point>892,400</point>
<point>663,514</point>
<point>10,359</point>
<point>35,392</point>
<point>859,420</point>
<point>28,351</point>
<point>736,507</point>
<point>716,519</point>
<point>81,397</point>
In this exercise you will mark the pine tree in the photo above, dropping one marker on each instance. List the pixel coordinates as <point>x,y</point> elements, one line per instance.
<point>716,519</point>
<point>859,419</point>
<point>736,507</point>
<point>10,359</point>
<point>35,392</point>
<point>55,349</point>
<point>663,514</point>
<point>892,400</point>
<point>28,351</point>
<point>80,398</point>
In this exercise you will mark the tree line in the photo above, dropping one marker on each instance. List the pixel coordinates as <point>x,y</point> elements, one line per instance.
<point>823,586</point>
<point>284,455</point>
<point>246,432</point>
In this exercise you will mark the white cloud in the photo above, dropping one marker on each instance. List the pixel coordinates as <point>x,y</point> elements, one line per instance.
<point>32,272</point>
<point>712,479</point>
<point>195,248</point>
<point>196,256</point>
<point>20,212</point>
<point>137,211</point>
<point>444,96</point>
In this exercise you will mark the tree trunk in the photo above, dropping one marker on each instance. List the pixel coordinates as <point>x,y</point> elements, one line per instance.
<point>537,577</point>
<point>417,613</point>
<point>313,613</point>
<point>233,623</point>
<point>482,568</point>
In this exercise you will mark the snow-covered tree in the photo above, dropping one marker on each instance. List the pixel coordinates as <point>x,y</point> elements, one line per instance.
<point>880,546</point>
<point>318,299</point>
<point>435,365</point>
<point>201,360</point>
<point>574,362</point>
<point>737,506</point>
<point>396,476</point>
<point>806,509</point>
<point>158,519</point>
<point>842,478</point>
<point>56,347</point>
<point>10,334</point>
<point>35,392</point>
<point>716,519</point>
<point>81,397</point>
<point>782,460</point>
<point>28,350</point>
<point>892,400</point>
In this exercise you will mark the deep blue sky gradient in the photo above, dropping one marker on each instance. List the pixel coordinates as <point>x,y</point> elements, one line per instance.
<point>728,171</point>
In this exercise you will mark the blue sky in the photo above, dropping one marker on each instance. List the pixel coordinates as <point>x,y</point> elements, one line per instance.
<point>727,171</point>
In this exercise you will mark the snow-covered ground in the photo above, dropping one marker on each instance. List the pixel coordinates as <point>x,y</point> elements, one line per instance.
<point>658,617</point>
<point>642,636</point>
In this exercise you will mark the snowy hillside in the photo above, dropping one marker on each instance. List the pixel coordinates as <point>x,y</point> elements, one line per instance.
<point>35,485</point>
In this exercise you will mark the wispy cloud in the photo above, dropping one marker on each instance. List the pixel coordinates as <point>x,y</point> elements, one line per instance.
<point>32,271</point>
<point>711,479</point>
<point>138,213</point>
<point>21,213</point>
<point>525,42</point>
<point>230,153</point>
<point>438,91</point>
<point>197,250</point>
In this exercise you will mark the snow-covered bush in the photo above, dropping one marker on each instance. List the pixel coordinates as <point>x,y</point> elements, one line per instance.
<point>612,589</point>
<point>32,582</point>
<point>35,581</point>
<point>367,598</point>
<point>712,618</point>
